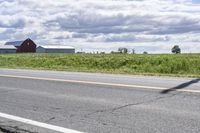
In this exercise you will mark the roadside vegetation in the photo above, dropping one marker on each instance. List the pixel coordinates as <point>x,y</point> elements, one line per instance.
<point>145,64</point>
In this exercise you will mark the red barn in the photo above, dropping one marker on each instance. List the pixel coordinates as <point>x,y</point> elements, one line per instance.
<point>26,46</point>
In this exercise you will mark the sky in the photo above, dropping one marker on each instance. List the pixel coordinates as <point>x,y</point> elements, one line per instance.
<point>196,1</point>
<point>154,26</point>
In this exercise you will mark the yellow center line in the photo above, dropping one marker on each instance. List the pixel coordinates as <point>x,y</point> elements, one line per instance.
<point>96,83</point>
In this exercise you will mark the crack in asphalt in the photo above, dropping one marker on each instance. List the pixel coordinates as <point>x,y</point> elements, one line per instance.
<point>144,102</point>
<point>50,119</point>
<point>105,110</point>
<point>140,103</point>
<point>13,129</point>
<point>125,106</point>
<point>131,104</point>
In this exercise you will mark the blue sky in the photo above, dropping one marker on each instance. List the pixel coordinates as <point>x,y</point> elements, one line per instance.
<point>196,1</point>
<point>104,25</point>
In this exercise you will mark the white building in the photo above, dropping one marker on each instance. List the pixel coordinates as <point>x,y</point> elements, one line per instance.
<point>55,49</point>
<point>6,49</point>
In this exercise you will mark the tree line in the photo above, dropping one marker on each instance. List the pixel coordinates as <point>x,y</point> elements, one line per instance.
<point>175,50</point>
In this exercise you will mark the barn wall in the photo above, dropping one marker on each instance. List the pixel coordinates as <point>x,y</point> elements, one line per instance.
<point>60,50</point>
<point>28,46</point>
<point>7,51</point>
<point>40,50</point>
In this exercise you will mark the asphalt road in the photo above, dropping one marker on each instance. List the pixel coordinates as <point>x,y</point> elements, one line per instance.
<point>99,103</point>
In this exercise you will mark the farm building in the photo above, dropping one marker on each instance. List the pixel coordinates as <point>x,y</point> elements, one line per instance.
<point>26,46</point>
<point>55,49</point>
<point>7,49</point>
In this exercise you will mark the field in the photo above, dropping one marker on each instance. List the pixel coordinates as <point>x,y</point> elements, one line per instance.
<point>145,64</point>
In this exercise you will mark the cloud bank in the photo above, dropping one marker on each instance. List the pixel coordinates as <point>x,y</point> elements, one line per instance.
<point>146,25</point>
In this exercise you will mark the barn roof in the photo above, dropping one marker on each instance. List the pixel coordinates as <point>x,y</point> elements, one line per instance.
<point>15,43</point>
<point>56,47</point>
<point>7,47</point>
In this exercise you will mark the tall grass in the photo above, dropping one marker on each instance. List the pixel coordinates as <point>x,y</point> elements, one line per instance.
<point>183,64</point>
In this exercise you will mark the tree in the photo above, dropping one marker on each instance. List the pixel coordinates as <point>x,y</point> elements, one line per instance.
<point>123,50</point>
<point>145,52</point>
<point>133,51</point>
<point>176,49</point>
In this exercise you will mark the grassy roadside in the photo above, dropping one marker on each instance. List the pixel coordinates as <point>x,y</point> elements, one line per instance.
<point>184,65</point>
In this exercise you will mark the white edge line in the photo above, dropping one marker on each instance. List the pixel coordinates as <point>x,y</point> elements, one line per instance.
<point>38,124</point>
<point>96,83</point>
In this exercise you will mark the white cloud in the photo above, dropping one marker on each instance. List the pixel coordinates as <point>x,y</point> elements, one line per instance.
<point>101,23</point>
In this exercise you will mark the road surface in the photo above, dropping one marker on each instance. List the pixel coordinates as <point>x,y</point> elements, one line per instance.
<point>50,102</point>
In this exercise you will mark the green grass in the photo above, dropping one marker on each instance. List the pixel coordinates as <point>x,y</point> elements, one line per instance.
<point>163,64</point>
